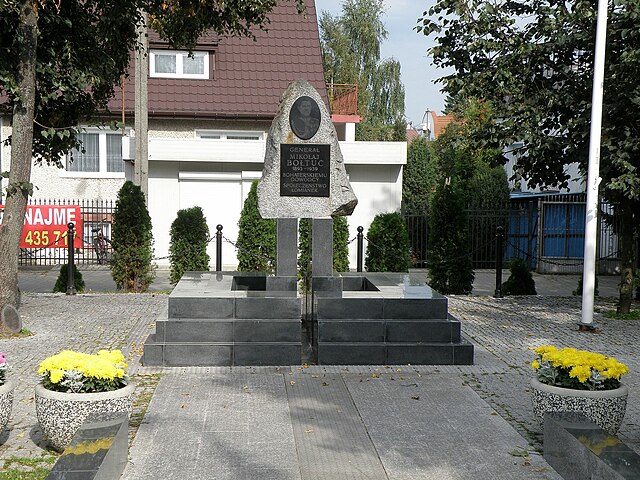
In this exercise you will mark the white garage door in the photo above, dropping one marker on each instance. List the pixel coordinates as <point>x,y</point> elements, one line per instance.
<point>221,202</point>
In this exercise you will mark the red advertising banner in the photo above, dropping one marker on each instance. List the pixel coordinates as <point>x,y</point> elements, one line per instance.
<point>45,226</point>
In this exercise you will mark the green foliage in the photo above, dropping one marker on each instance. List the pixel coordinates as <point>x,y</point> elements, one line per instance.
<point>351,55</point>
<point>578,290</point>
<point>82,53</point>
<point>376,131</point>
<point>304,250</point>
<point>61,282</point>
<point>256,237</point>
<point>537,77</point>
<point>32,468</point>
<point>340,246</point>
<point>387,244</point>
<point>520,281</point>
<point>419,177</point>
<point>189,240</point>
<point>633,315</point>
<point>450,268</point>
<point>132,241</point>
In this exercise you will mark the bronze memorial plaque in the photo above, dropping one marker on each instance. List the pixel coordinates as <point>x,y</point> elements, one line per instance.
<point>304,170</point>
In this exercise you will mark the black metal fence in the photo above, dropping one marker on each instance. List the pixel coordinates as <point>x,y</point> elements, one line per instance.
<point>547,231</point>
<point>96,217</point>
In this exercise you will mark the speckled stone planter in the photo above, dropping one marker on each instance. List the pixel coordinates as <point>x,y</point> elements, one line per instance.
<point>606,408</point>
<point>6,403</point>
<point>61,414</point>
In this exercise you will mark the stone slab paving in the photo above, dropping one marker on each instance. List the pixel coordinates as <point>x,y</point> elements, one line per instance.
<point>509,328</point>
<point>502,329</point>
<point>432,426</point>
<point>220,426</point>
<point>331,440</point>
<point>86,323</point>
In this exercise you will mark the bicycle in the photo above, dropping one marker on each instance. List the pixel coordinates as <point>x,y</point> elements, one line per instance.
<point>100,245</point>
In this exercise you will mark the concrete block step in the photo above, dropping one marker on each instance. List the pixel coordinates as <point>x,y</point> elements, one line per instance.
<point>231,306</point>
<point>381,308</point>
<point>180,354</point>
<point>206,330</point>
<point>389,330</point>
<point>395,353</point>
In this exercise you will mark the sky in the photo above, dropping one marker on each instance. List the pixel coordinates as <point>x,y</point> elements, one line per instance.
<point>410,49</point>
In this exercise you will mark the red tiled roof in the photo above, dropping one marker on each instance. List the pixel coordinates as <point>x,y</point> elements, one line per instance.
<point>412,134</point>
<point>440,122</point>
<point>249,76</point>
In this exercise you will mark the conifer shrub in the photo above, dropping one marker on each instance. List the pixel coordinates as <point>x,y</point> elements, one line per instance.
<point>520,281</point>
<point>61,282</point>
<point>189,240</point>
<point>340,246</point>
<point>256,242</point>
<point>578,291</point>
<point>304,251</point>
<point>450,264</point>
<point>132,240</point>
<point>387,244</point>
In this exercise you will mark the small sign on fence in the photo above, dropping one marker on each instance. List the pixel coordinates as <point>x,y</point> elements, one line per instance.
<point>45,226</point>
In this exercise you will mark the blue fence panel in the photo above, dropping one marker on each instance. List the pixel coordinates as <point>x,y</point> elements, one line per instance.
<point>563,230</point>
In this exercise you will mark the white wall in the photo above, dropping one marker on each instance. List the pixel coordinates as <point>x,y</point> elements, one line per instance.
<point>379,190</point>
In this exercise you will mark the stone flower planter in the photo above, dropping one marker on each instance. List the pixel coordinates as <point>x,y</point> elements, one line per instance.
<point>6,403</point>
<point>61,414</point>
<point>606,408</point>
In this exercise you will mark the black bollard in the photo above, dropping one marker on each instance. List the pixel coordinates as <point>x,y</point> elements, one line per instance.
<point>71,290</point>
<point>500,237</point>
<point>219,248</point>
<point>359,249</point>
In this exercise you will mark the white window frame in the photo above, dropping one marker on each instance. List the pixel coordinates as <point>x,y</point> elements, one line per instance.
<point>234,135</point>
<point>179,55</point>
<point>102,152</point>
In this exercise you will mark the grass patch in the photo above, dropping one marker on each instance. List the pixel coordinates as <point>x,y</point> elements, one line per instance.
<point>16,468</point>
<point>145,387</point>
<point>633,315</point>
<point>24,332</point>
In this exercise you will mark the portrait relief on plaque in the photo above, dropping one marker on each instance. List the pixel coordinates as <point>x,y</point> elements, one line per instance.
<point>304,117</point>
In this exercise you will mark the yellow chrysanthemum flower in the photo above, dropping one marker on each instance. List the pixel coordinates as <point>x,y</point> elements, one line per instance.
<point>105,365</point>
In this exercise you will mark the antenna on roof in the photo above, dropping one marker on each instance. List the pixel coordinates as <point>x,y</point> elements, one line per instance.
<point>426,126</point>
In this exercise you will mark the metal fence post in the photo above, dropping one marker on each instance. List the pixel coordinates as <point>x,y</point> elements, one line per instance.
<point>359,249</point>
<point>500,236</point>
<point>219,248</point>
<point>71,290</point>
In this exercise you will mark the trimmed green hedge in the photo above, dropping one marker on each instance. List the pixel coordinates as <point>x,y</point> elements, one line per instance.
<point>189,240</point>
<point>387,244</point>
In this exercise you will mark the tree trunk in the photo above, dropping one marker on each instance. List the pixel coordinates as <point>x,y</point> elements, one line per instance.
<point>21,156</point>
<point>626,260</point>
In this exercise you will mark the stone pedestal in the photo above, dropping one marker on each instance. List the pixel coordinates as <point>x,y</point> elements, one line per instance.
<point>286,279</point>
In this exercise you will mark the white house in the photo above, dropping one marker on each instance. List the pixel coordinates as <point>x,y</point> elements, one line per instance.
<point>208,119</point>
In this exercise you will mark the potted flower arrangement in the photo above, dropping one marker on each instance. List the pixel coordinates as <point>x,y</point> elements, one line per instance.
<point>6,392</point>
<point>75,386</point>
<point>570,380</point>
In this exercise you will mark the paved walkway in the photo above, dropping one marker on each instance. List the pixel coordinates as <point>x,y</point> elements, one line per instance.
<point>404,422</point>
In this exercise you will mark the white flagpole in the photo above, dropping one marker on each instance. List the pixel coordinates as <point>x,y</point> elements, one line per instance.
<point>593,175</point>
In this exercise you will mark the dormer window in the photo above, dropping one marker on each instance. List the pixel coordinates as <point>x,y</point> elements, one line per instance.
<point>178,64</point>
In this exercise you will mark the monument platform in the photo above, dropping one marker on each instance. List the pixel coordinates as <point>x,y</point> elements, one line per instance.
<point>230,318</point>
